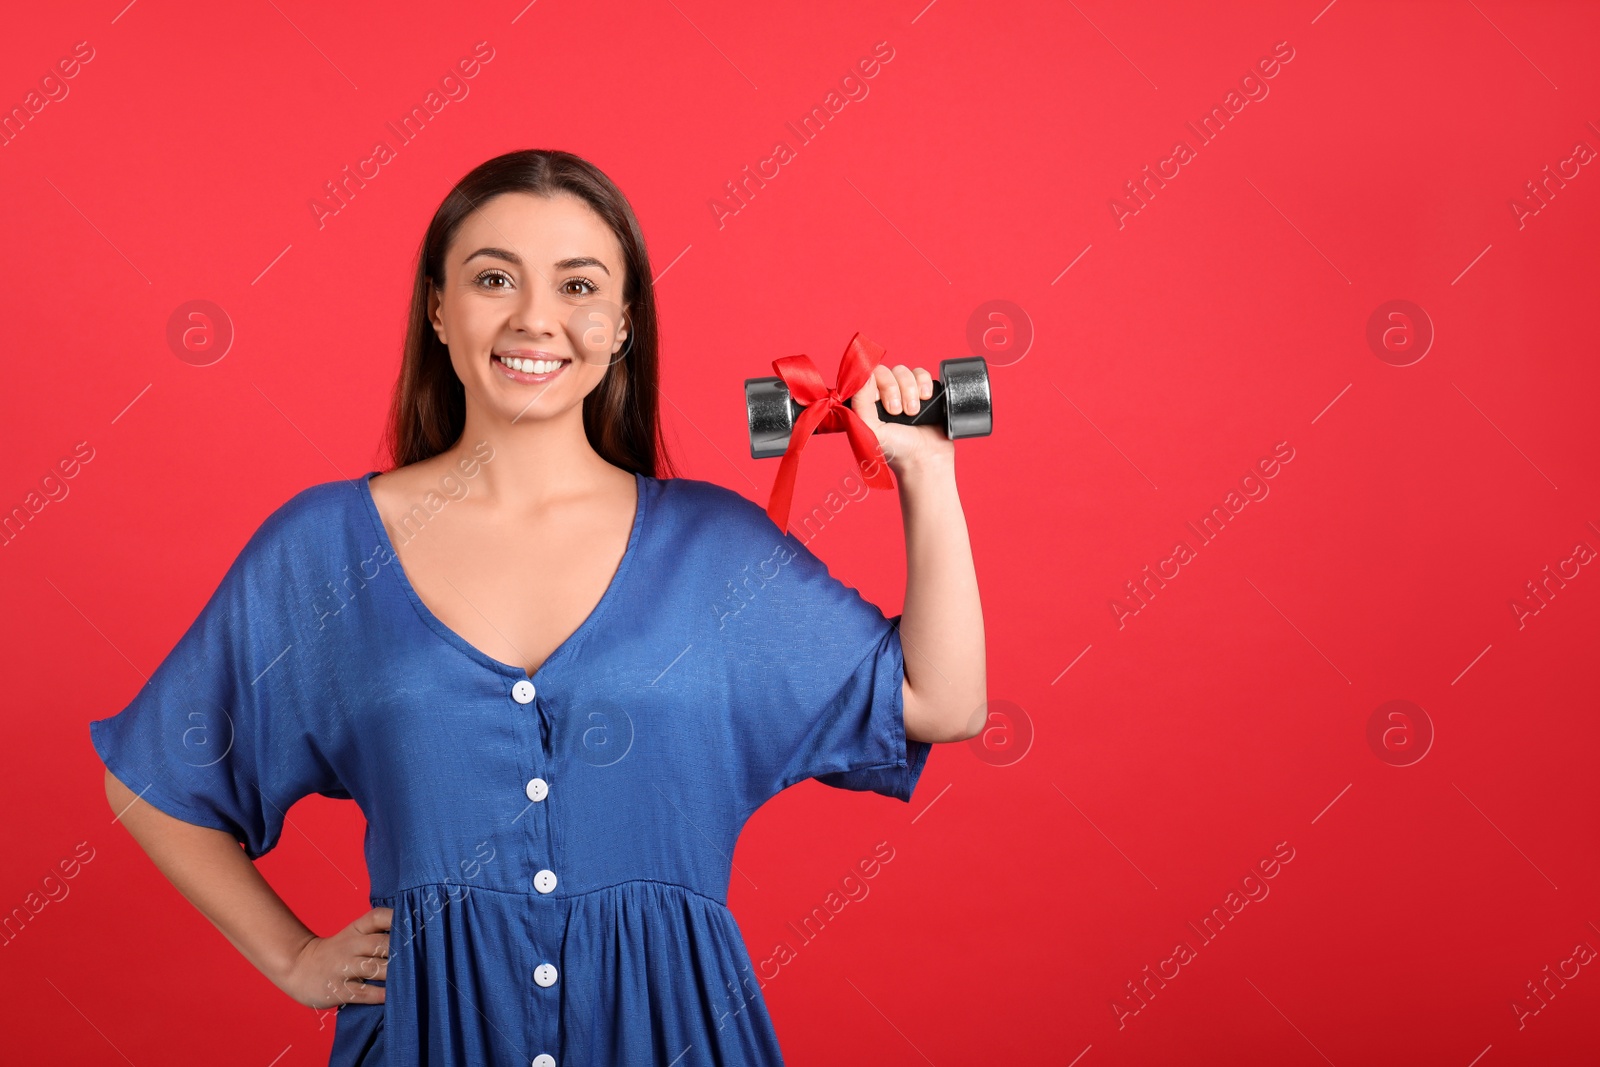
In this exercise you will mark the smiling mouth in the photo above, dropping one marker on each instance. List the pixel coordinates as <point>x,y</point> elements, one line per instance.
<point>529,370</point>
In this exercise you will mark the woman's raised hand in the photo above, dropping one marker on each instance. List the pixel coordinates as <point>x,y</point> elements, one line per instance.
<point>334,970</point>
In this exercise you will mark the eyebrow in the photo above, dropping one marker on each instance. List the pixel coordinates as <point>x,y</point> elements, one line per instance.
<point>563,264</point>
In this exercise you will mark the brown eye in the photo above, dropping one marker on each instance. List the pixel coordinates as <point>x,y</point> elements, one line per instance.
<point>590,287</point>
<point>492,273</point>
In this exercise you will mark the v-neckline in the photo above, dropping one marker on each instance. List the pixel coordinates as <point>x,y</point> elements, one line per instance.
<point>467,647</point>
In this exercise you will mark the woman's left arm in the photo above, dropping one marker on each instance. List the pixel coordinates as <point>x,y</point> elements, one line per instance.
<point>941,626</point>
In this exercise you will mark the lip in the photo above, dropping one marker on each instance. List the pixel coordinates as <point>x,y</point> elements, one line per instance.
<point>530,353</point>
<point>519,376</point>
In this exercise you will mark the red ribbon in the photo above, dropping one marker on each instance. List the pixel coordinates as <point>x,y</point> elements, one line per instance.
<point>827,411</point>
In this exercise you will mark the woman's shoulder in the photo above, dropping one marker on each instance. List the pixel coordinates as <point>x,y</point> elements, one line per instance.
<point>316,505</point>
<point>708,505</point>
<point>311,522</point>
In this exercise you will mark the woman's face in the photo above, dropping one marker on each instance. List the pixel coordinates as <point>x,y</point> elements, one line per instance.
<point>531,306</point>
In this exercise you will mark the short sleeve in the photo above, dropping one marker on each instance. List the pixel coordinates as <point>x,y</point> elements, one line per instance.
<point>831,670</point>
<point>879,756</point>
<point>216,737</point>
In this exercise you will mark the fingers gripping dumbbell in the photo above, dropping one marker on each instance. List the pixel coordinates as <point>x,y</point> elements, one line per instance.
<point>960,404</point>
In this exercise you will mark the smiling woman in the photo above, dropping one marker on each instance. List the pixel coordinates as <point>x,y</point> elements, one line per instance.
<point>537,680</point>
<point>590,294</point>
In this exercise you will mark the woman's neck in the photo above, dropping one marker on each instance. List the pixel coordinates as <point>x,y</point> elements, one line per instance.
<point>529,464</point>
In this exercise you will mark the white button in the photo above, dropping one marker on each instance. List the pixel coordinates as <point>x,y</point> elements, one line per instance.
<point>544,881</point>
<point>523,692</point>
<point>538,789</point>
<point>545,974</point>
<point>544,1059</point>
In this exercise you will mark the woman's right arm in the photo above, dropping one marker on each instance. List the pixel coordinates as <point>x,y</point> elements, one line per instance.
<point>212,872</point>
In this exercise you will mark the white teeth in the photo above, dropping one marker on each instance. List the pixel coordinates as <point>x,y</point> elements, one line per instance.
<point>531,366</point>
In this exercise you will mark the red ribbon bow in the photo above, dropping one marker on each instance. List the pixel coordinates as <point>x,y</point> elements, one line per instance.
<point>827,411</point>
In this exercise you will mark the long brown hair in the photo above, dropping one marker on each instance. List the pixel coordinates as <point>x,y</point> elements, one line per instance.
<point>621,415</point>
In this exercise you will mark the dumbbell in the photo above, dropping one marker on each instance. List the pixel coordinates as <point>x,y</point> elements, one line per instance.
<point>960,402</point>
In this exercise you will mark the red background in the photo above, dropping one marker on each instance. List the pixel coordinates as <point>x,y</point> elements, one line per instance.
<point>1229,314</point>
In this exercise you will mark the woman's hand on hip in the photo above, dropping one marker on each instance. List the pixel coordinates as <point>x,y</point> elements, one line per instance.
<point>330,971</point>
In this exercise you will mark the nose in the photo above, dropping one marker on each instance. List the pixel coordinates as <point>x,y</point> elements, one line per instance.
<point>540,311</point>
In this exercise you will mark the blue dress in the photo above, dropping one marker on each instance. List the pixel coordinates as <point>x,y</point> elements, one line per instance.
<point>557,848</point>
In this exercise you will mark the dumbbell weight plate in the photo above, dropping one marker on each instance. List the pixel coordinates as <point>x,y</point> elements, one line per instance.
<point>771,414</point>
<point>969,407</point>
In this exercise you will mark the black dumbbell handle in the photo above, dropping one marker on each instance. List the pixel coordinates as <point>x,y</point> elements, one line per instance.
<point>931,412</point>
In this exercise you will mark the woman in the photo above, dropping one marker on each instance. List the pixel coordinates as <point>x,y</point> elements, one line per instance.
<point>556,684</point>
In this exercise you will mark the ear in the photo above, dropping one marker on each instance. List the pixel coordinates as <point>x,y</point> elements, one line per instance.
<point>622,333</point>
<point>435,313</point>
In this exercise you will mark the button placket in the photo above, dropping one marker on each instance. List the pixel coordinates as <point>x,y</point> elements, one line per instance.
<point>536,789</point>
